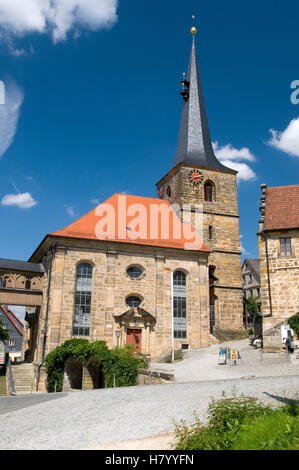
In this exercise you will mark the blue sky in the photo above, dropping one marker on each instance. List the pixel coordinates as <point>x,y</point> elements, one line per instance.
<point>94,105</point>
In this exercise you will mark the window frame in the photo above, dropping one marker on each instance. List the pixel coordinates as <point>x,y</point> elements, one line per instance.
<point>284,244</point>
<point>82,299</point>
<point>179,304</point>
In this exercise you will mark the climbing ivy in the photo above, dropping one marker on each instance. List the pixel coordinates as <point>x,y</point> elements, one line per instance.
<point>120,366</point>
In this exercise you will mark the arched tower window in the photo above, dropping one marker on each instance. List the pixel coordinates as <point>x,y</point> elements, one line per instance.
<point>179,305</point>
<point>168,191</point>
<point>82,300</point>
<point>209,191</point>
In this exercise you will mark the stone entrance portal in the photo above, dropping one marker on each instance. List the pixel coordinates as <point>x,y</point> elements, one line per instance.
<point>134,338</point>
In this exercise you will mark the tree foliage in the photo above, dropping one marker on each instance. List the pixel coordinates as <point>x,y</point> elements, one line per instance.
<point>120,366</point>
<point>4,334</point>
<point>294,323</point>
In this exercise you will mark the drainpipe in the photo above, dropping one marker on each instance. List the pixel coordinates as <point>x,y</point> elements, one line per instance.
<point>172,325</point>
<point>45,327</point>
<point>265,239</point>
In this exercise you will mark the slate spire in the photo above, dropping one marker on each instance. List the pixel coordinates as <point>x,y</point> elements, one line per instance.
<point>194,145</point>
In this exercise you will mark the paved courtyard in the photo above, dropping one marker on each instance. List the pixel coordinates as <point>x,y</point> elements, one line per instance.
<point>91,419</point>
<point>202,364</point>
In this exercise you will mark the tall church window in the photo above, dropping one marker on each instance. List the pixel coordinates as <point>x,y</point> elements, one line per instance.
<point>82,300</point>
<point>179,305</point>
<point>208,190</point>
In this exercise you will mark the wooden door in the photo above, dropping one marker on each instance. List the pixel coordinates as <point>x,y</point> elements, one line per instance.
<point>134,338</point>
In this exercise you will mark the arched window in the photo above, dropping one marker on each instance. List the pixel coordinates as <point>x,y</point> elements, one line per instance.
<point>82,300</point>
<point>209,190</point>
<point>2,282</point>
<point>168,191</point>
<point>179,305</point>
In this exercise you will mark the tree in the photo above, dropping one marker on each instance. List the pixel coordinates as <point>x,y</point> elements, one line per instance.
<point>4,335</point>
<point>253,305</point>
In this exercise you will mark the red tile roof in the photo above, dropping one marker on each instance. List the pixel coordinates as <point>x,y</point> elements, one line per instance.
<point>282,208</point>
<point>125,210</point>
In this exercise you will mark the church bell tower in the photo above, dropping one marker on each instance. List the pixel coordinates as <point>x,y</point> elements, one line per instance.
<point>198,179</point>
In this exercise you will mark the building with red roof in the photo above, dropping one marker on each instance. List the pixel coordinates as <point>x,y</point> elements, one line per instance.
<point>15,328</point>
<point>160,273</point>
<point>278,239</point>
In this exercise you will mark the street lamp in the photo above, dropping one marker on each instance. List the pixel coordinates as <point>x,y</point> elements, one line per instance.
<point>117,334</point>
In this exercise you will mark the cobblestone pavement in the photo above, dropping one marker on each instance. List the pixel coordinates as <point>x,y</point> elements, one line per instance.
<point>202,364</point>
<point>89,419</point>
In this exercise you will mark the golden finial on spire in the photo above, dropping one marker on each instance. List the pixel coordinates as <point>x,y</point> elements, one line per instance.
<point>193,29</point>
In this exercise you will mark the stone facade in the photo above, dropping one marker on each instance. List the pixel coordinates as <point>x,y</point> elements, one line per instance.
<point>279,272</point>
<point>251,278</point>
<point>111,285</point>
<point>218,226</point>
<point>283,275</point>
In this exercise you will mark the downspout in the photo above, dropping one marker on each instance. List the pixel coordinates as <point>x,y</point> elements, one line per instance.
<point>45,327</point>
<point>265,238</point>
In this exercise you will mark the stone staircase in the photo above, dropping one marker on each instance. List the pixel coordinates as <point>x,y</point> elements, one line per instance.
<point>23,377</point>
<point>3,387</point>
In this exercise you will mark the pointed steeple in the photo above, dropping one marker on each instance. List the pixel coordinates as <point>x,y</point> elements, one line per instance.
<point>195,144</point>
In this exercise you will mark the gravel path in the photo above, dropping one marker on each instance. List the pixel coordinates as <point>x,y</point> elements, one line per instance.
<point>89,419</point>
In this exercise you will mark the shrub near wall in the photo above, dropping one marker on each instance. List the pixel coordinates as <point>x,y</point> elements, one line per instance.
<point>123,365</point>
<point>294,324</point>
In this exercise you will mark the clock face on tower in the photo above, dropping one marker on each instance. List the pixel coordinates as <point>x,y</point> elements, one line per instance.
<point>195,177</point>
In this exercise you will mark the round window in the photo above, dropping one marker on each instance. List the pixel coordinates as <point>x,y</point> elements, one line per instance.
<point>134,272</point>
<point>133,301</point>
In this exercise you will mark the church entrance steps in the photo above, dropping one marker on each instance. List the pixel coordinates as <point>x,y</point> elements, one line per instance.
<point>23,377</point>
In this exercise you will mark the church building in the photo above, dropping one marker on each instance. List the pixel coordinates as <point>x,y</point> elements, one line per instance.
<point>159,273</point>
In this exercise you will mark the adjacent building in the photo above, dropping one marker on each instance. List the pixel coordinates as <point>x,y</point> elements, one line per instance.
<point>15,328</point>
<point>278,239</point>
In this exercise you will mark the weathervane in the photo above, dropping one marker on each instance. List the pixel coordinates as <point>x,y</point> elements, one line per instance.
<point>193,29</point>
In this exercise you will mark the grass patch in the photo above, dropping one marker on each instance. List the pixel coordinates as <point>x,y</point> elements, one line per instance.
<point>242,424</point>
<point>178,356</point>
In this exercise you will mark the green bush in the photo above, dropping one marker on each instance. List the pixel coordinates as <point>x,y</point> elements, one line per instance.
<point>294,323</point>
<point>121,366</point>
<point>225,418</point>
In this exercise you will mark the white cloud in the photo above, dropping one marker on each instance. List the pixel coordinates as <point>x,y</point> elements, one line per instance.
<point>95,201</point>
<point>70,210</point>
<point>228,152</point>
<point>287,140</point>
<point>243,251</point>
<point>245,173</point>
<point>230,156</point>
<point>9,115</point>
<point>56,17</point>
<point>23,201</point>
